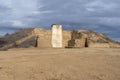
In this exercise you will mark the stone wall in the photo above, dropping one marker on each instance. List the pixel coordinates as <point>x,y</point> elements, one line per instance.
<point>80,42</point>
<point>114,45</point>
<point>66,37</point>
<point>43,38</point>
<point>98,45</point>
<point>78,39</point>
<point>58,38</point>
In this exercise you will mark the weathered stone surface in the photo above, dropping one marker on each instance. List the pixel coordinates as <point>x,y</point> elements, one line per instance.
<point>57,36</point>
<point>43,38</point>
<point>78,39</point>
<point>98,45</point>
<point>66,36</point>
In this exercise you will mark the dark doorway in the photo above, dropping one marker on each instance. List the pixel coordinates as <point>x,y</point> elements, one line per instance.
<point>36,41</point>
<point>86,42</point>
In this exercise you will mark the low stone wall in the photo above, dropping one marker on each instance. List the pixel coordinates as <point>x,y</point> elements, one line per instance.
<point>114,45</point>
<point>98,45</point>
<point>66,37</point>
<point>80,42</point>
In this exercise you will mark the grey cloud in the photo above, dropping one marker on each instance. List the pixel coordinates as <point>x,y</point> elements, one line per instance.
<point>4,8</point>
<point>99,15</point>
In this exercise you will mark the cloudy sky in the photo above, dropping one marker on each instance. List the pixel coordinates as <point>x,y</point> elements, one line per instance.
<point>98,15</point>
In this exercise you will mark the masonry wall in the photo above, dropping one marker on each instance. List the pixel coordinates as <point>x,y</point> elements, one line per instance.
<point>79,42</point>
<point>98,45</point>
<point>66,37</point>
<point>69,39</point>
<point>43,38</point>
<point>77,39</point>
<point>114,45</point>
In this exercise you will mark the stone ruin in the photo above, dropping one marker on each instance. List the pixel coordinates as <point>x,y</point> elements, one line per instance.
<point>57,38</point>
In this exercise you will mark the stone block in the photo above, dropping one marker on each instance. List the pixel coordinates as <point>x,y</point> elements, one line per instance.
<point>57,36</point>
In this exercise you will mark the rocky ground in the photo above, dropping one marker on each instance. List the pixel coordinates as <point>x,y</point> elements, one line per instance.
<point>60,64</point>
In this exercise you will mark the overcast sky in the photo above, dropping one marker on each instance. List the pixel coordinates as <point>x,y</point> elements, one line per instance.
<point>98,15</point>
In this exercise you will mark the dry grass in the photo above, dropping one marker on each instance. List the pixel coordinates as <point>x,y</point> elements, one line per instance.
<point>60,64</point>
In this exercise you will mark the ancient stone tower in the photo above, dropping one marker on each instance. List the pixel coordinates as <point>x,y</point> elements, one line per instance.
<point>57,36</point>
